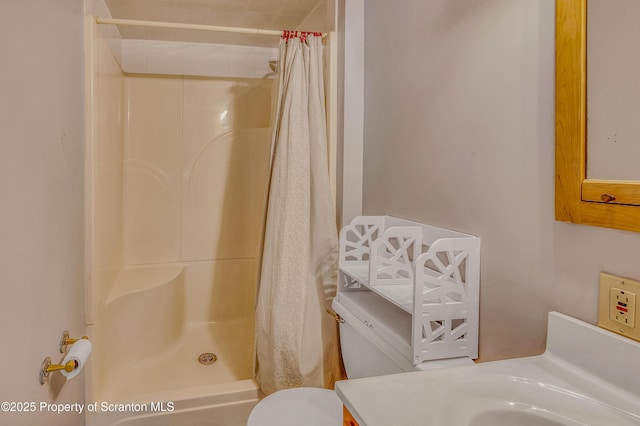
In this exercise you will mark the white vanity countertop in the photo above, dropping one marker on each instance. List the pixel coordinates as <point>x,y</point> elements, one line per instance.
<point>570,384</point>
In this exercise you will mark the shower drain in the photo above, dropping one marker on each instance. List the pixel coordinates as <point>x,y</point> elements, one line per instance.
<point>207,358</point>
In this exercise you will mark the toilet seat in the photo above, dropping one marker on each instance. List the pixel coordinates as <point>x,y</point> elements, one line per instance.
<point>298,406</point>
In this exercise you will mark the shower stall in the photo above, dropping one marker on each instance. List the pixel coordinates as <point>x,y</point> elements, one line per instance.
<point>178,150</point>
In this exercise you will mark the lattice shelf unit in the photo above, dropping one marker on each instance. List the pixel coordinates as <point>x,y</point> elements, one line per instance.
<point>429,278</point>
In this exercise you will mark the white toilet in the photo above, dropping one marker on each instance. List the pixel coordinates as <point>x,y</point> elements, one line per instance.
<point>364,354</point>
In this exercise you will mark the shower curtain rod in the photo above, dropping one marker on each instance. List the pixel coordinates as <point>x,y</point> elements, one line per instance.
<point>197,27</point>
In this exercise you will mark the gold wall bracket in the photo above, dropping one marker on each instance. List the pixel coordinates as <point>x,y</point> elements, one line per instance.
<point>66,341</point>
<point>47,368</point>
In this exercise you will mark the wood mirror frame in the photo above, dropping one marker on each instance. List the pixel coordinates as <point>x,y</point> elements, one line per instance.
<point>596,202</point>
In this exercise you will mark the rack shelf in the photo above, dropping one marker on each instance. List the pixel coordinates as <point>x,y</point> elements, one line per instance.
<point>429,273</point>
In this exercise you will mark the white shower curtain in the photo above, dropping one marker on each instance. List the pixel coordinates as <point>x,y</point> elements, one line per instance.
<point>296,341</point>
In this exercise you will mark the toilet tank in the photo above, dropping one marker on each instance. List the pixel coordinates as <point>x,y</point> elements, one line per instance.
<point>364,353</point>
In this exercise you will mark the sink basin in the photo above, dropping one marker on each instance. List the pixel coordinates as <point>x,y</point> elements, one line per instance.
<point>491,400</point>
<point>587,376</point>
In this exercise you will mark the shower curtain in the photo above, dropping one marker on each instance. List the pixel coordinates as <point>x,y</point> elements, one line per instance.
<point>296,341</point>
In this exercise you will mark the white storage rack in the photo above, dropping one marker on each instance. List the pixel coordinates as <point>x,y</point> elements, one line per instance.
<point>415,285</point>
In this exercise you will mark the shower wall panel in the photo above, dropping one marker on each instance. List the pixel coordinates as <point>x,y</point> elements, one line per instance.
<point>153,170</point>
<point>225,157</point>
<point>196,174</point>
<point>106,148</point>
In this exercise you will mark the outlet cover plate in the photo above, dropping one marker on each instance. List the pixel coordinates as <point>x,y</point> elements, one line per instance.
<point>607,282</point>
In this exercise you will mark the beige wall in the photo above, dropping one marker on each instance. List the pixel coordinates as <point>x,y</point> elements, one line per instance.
<point>41,188</point>
<point>459,133</point>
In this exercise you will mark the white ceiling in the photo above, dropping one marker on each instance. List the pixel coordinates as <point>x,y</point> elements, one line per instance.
<point>264,14</point>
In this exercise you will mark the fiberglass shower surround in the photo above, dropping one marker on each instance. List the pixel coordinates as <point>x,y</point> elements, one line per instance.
<point>177,195</point>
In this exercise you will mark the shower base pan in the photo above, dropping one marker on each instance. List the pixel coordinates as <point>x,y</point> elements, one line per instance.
<point>186,385</point>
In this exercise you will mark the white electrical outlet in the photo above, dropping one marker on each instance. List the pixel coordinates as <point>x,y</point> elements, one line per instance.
<point>617,305</point>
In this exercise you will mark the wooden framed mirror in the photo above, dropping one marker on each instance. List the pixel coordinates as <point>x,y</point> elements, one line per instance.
<point>598,202</point>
